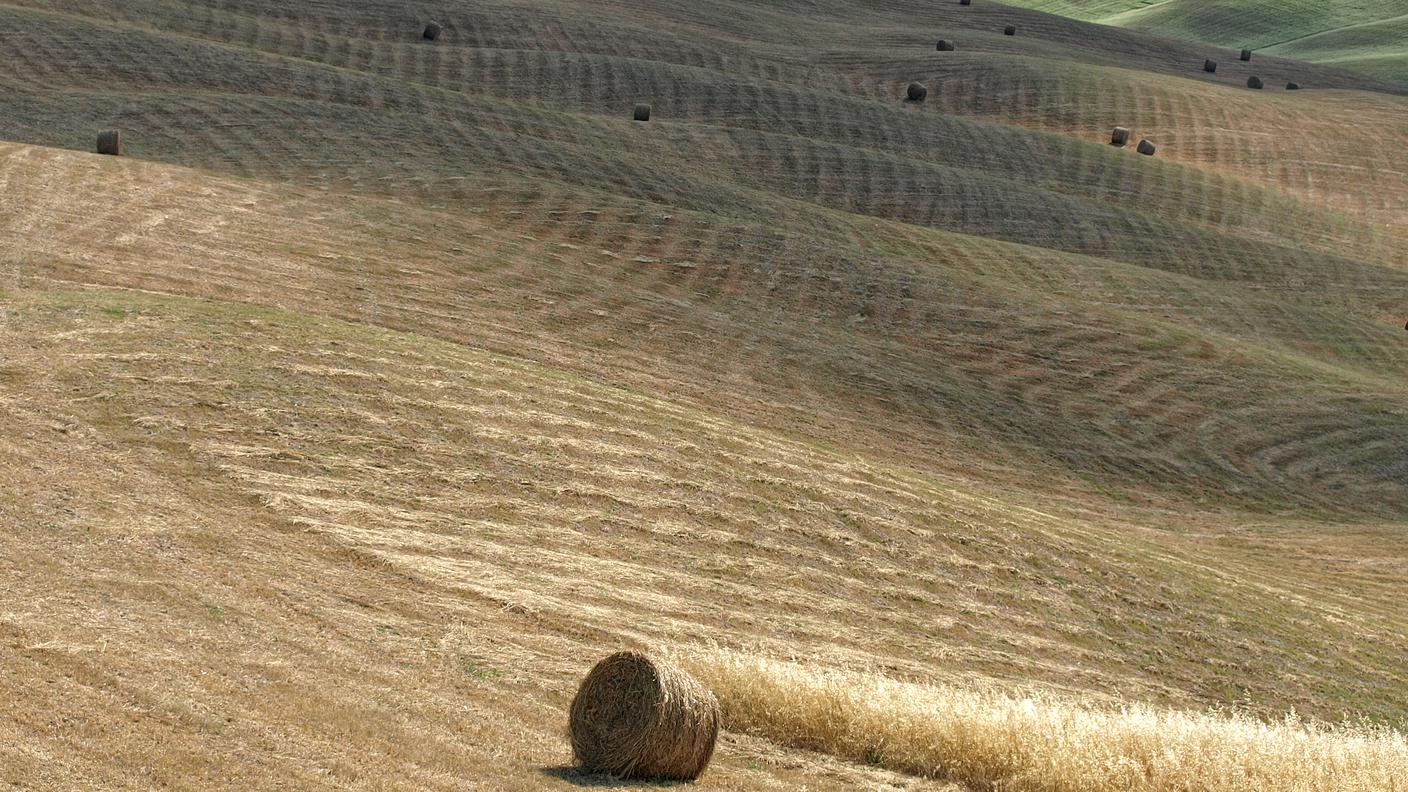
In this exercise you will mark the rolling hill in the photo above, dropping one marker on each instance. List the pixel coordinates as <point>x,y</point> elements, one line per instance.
<point>1364,36</point>
<point>385,382</point>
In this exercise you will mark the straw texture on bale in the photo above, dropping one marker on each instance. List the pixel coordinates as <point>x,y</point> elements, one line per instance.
<point>638,717</point>
<point>916,92</point>
<point>110,142</point>
<point>944,45</point>
<point>1145,147</point>
<point>1010,31</point>
<point>432,31</point>
<point>1254,82</point>
<point>642,112</point>
<point>1210,65</point>
<point>1246,54</point>
<point>1119,137</point>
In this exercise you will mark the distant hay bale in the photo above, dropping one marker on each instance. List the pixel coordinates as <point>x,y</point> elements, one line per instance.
<point>1254,82</point>
<point>1210,65</point>
<point>1246,54</point>
<point>635,716</point>
<point>432,31</point>
<point>642,112</point>
<point>110,142</point>
<point>1119,137</point>
<point>965,2</point>
<point>916,92</point>
<point>1145,147</point>
<point>1011,30</point>
<point>1290,86</point>
<point>944,45</point>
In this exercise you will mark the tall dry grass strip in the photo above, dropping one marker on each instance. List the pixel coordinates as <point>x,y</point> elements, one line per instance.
<point>641,717</point>
<point>993,741</point>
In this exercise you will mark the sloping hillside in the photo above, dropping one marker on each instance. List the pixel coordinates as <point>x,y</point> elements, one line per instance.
<point>1363,36</point>
<point>385,382</point>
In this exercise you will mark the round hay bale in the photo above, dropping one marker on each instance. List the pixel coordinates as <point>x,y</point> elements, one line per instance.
<point>1119,137</point>
<point>1145,147</point>
<point>915,92</point>
<point>1210,66</point>
<point>641,113</point>
<point>1290,86</point>
<point>944,45</point>
<point>1254,82</point>
<point>110,142</point>
<point>432,31</point>
<point>637,717</point>
<point>1011,30</point>
<point>1246,54</point>
<point>965,2</point>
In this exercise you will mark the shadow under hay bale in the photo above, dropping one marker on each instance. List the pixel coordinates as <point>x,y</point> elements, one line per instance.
<point>1119,137</point>
<point>915,93</point>
<point>1246,54</point>
<point>1254,82</point>
<point>1011,30</point>
<point>1210,66</point>
<point>638,717</point>
<point>110,142</point>
<point>1145,147</point>
<point>432,31</point>
<point>1290,86</point>
<point>641,113</point>
<point>944,45</point>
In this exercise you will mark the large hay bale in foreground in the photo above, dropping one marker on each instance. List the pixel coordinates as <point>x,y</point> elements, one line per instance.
<point>432,31</point>
<point>1010,30</point>
<point>1119,137</point>
<point>1246,54</point>
<point>110,142</point>
<point>638,717</point>
<point>641,113</point>
<point>1210,66</point>
<point>915,92</point>
<point>1254,82</point>
<point>1145,147</point>
<point>944,45</point>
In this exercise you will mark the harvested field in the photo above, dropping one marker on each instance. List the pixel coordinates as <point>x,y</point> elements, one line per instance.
<point>382,386</point>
